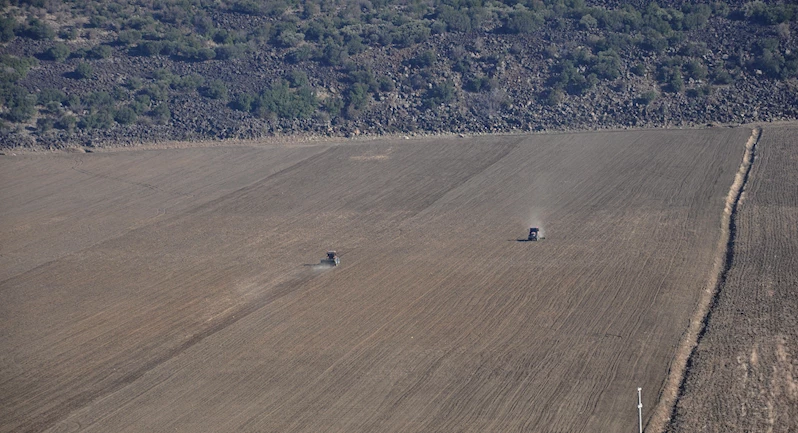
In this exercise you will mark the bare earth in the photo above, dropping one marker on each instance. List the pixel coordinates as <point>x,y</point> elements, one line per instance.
<point>174,290</point>
<point>744,374</point>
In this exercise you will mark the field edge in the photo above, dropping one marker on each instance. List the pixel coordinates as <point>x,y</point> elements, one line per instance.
<point>673,386</point>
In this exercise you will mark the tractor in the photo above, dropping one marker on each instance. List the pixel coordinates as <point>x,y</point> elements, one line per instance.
<point>332,259</point>
<point>533,234</point>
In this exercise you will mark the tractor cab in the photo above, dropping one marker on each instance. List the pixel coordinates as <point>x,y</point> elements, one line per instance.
<point>533,234</point>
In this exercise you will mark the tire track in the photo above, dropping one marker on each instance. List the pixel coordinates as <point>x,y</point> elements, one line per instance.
<point>128,182</point>
<point>61,411</point>
<point>196,208</point>
<point>673,388</point>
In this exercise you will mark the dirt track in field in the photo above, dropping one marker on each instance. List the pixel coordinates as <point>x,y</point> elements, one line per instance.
<point>167,289</point>
<point>743,375</point>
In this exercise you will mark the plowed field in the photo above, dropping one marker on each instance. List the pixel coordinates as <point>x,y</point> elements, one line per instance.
<point>176,290</point>
<point>744,372</point>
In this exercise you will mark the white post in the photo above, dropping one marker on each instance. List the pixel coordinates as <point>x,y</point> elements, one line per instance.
<point>640,409</point>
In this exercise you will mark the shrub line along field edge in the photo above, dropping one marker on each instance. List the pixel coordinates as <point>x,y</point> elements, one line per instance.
<point>673,387</point>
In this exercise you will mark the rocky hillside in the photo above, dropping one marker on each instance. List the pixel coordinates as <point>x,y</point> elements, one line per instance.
<point>97,73</point>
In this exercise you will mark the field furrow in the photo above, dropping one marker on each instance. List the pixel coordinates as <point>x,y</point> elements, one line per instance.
<point>214,317</point>
<point>743,375</point>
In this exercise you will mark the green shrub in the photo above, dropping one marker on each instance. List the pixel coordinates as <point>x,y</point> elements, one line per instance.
<point>227,52</point>
<point>654,42</point>
<point>203,54</point>
<point>7,26</point>
<point>554,97</point>
<point>354,45</point>
<point>188,83</point>
<point>333,105</point>
<point>57,52</point>
<point>440,93</point>
<point>125,115</point>
<point>149,48</point>
<point>119,93</point>
<point>83,70</point>
<point>363,76</point>
<point>285,103</point>
<point>720,8</point>
<point>13,68</point>
<point>98,99</point>
<point>414,32</point>
<point>697,16</point>
<point>722,77</point>
<point>588,22</point>
<point>692,49</point>
<point>248,7</point>
<point>699,92</point>
<point>647,97</point>
<point>20,104</point>
<point>133,83</point>
<point>480,84</point>
<point>676,83</point>
<point>639,69</point>
<point>161,113</point>
<point>333,54</point>
<point>74,103</point>
<point>572,80</point>
<point>769,62</point>
<point>44,124</point>
<point>438,27</point>
<point>52,107</point>
<point>101,119</point>
<point>418,81</point>
<point>96,21</point>
<point>607,65</point>
<point>297,78</point>
<point>66,122</point>
<point>141,103</point>
<point>242,102</point>
<point>523,22</point>
<point>455,20</point>
<point>300,54</point>
<point>215,90</point>
<point>769,14</point>
<point>39,30</point>
<point>156,92</point>
<point>386,84</point>
<point>50,95</point>
<point>222,36</point>
<point>288,39</point>
<point>129,37</point>
<point>424,59</point>
<point>80,53</point>
<point>357,96</point>
<point>695,69</point>
<point>163,75</point>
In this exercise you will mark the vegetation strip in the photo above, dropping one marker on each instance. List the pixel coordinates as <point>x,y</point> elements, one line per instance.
<point>121,73</point>
<point>680,365</point>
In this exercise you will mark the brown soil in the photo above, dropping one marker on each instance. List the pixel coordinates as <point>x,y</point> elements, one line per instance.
<point>743,375</point>
<point>697,323</point>
<point>164,290</point>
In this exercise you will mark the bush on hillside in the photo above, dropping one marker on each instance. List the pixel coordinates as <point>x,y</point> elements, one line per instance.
<point>57,52</point>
